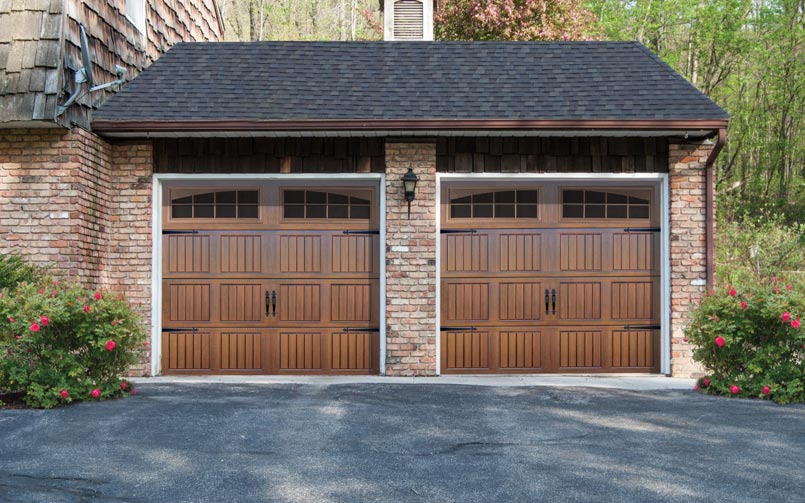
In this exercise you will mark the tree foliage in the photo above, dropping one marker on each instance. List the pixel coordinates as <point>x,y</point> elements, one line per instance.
<point>512,20</point>
<point>255,20</point>
<point>749,57</point>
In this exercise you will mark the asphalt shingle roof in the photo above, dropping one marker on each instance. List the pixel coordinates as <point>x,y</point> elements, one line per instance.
<point>409,80</point>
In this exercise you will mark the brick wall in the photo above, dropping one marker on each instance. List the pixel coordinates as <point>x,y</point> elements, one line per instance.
<point>688,246</point>
<point>411,309</point>
<point>53,199</point>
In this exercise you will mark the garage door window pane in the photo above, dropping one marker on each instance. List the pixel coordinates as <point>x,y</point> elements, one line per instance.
<point>294,211</point>
<point>526,211</point>
<point>217,204</point>
<point>496,204</point>
<point>338,212</point>
<point>482,211</point>
<point>182,211</point>
<point>204,211</point>
<point>246,211</point>
<point>226,211</point>
<point>316,211</point>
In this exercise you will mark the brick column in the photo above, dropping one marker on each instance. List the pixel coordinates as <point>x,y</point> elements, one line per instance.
<point>411,261</point>
<point>128,263</point>
<point>686,166</point>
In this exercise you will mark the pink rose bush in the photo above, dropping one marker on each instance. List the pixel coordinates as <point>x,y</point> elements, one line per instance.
<point>73,344</point>
<point>750,341</point>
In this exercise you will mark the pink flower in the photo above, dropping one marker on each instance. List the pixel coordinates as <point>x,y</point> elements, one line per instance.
<point>41,291</point>
<point>734,389</point>
<point>55,282</point>
<point>786,316</point>
<point>64,393</point>
<point>706,382</point>
<point>774,279</point>
<point>10,319</point>
<point>732,292</point>
<point>110,345</point>
<point>97,295</point>
<point>744,305</point>
<point>766,390</point>
<point>96,393</point>
<point>35,327</point>
<point>145,344</point>
<point>123,385</point>
<point>16,336</point>
<point>789,287</point>
<point>44,320</point>
<point>720,341</point>
<point>796,323</point>
<point>685,339</point>
<point>86,308</point>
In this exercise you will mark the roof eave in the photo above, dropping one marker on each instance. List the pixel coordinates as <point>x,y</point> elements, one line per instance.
<point>155,126</point>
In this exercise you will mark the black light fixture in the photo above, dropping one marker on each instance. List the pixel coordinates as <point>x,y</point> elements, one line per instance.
<point>409,180</point>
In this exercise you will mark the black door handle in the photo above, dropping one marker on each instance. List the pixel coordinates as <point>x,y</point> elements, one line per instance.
<point>268,299</point>
<point>553,300</point>
<point>274,301</point>
<point>546,302</point>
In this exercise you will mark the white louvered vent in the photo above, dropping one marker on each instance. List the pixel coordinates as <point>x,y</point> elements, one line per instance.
<point>408,20</point>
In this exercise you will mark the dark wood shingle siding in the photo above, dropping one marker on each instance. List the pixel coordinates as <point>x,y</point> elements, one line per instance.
<point>266,155</point>
<point>562,155</point>
<point>332,155</point>
<point>40,49</point>
<point>30,31</point>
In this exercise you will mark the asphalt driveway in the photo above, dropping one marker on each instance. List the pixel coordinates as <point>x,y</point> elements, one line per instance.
<point>389,442</point>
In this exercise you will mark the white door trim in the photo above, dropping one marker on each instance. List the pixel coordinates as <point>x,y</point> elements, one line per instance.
<point>156,241</point>
<point>665,259</point>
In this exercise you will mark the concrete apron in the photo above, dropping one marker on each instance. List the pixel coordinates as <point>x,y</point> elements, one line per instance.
<point>617,381</point>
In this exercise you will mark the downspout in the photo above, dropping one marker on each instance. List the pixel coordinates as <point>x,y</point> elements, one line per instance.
<point>710,212</point>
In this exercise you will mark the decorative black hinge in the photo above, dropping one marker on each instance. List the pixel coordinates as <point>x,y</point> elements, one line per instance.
<point>179,232</point>
<point>458,329</point>
<point>360,329</point>
<point>642,229</point>
<point>458,231</point>
<point>180,330</point>
<point>642,327</point>
<point>362,232</point>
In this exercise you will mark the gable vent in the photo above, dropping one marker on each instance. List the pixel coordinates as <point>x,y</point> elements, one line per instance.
<point>408,20</point>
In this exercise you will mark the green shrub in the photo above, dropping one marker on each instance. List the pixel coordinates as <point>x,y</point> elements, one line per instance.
<point>750,341</point>
<point>57,338</point>
<point>14,270</point>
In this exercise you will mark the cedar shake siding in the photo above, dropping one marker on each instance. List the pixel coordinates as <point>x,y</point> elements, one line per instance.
<point>40,50</point>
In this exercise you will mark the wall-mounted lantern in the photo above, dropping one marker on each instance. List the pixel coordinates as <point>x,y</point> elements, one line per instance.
<point>409,180</point>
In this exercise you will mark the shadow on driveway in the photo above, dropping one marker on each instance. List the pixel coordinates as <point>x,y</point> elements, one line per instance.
<point>376,442</point>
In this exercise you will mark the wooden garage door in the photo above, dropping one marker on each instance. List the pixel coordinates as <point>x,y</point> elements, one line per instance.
<point>270,279</point>
<point>550,278</point>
